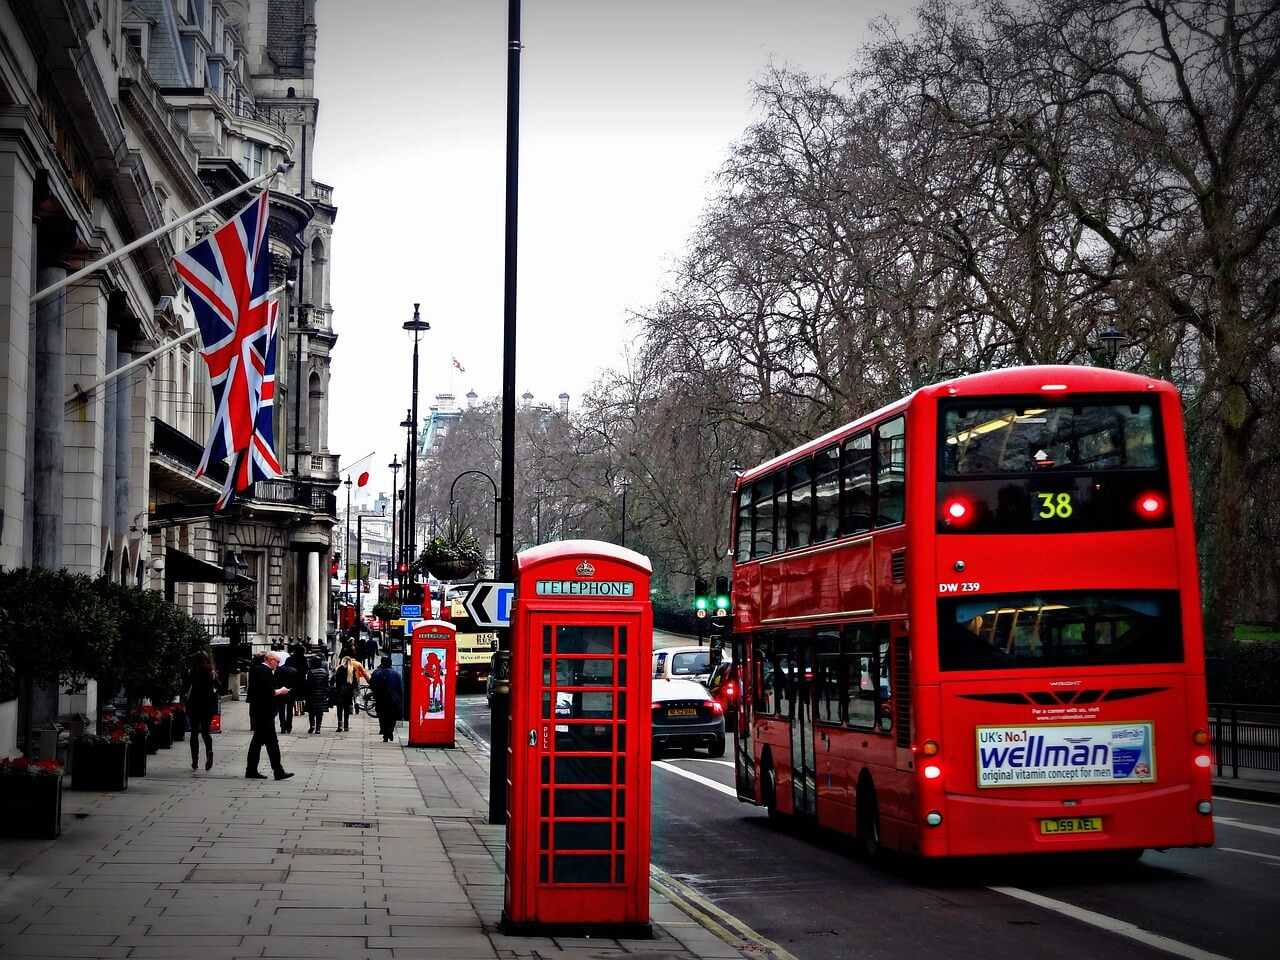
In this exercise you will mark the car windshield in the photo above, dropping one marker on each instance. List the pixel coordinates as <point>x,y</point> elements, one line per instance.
<point>691,664</point>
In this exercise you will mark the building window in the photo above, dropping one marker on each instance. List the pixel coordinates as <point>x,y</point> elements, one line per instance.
<point>252,159</point>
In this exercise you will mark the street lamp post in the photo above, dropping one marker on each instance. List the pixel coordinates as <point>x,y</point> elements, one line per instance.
<point>1112,340</point>
<point>346,551</point>
<point>359,579</point>
<point>417,326</point>
<point>496,500</point>
<point>394,467</point>
<point>625,484</point>
<point>407,423</point>
<point>506,557</point>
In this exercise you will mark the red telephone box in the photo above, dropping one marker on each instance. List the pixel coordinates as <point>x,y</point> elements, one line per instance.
<point>578,788</point>
<point>433,674</point>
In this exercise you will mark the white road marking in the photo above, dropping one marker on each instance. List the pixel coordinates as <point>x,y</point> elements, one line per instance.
<point>1233,822</point>
<point>1252,803</point>
<point>720,922</point>
<point>1110,924</point>
<point>723,763</point>
<point>1250,853</point>
<point>697,778</point>
<point>470,732</point>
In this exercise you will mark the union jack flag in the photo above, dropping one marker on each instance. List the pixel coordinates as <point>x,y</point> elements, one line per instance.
<point>226,277</point>
<point>259,461</point>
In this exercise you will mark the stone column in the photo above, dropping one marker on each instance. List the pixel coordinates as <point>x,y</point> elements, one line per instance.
<point>86,324</point>
<point>16,245</point>
<point>314,598</point>
<point>109,401</point>
<point>120,521</point>
<point>50,351</point>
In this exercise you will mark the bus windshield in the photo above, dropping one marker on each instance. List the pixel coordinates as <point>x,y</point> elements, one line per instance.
<point>1067,629</point>
<point>1000,439</point>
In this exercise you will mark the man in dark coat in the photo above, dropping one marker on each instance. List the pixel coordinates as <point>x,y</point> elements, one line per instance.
<point>264,694</point>
<point>370,651</point>
<point>286,676</point>
<point>388,697</point>
<point>317,691</point>
<point>297,662</point>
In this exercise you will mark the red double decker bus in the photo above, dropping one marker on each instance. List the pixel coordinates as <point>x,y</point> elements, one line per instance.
<point>970,622</point>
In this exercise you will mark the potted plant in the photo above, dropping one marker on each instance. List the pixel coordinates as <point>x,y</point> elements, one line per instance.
<point>135,735</point>
<point>453,557</point>
<point>30,798</point>
<point>179,725</point>
<point>99,763</point>
<point>162,726</point>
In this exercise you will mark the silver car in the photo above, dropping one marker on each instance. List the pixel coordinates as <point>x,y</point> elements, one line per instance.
<point>685,715</point>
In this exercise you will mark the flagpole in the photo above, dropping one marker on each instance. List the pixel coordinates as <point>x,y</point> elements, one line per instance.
<point>128,248</point>
<point>82,393</point>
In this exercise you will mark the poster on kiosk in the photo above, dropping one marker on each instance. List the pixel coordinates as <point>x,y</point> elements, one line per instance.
<point>578,803</point>
<point>433,676</point>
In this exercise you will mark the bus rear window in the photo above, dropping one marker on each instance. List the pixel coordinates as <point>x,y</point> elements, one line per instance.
<point>1038,438</point>
<point>1066,629</point>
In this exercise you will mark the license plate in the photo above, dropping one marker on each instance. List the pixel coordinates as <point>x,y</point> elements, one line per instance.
<point>1072,825</point>
<point>682,712</point>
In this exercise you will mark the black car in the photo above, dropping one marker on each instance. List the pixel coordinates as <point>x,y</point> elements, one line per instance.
<point>685,715</point>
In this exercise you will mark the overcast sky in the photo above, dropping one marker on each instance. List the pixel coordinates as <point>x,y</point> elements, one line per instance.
<point>627,109</point>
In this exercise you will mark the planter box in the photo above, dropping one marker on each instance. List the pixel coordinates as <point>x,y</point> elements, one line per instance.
<point>31,806</point>
<point>99,766</point>
<point>178,730</point>
<point>138,756</point>
<point>163,732</point>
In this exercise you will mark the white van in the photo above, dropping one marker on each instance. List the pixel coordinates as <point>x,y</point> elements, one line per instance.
<point>685,663</point>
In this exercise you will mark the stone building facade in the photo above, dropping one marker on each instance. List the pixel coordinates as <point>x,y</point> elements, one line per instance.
<point>117,117</point>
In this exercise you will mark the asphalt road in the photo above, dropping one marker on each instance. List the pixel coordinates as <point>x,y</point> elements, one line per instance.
<point>816,899</point>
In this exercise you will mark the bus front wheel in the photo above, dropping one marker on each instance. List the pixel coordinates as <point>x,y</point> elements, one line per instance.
<point>868,821</point>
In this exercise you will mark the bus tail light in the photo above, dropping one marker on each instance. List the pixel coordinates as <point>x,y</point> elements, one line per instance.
<point>932,771</point>
<point>714,706</point>
<point>929,748</point>
<point>1203,761</point>
<point>957,512</point>
<point>1151,506</point>
<point>1200,738</point>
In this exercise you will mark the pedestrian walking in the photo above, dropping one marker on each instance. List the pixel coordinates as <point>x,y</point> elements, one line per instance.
<point>370,651</point>
<point>346,680</point>
<point>317,692</point>
<point>388,697</point>
<point>287,676</point>
<point>297,662</point>
<point>202,703</point>
<point>264,694</point>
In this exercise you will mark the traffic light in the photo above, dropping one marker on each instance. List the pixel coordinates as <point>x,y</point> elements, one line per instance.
<point>335,564</point>
<point>700,598</point>
<point>722,596</point>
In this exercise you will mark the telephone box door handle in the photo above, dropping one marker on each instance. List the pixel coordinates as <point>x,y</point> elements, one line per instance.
<point>533,738</point>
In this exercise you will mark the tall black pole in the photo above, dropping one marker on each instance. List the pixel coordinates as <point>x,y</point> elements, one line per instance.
<point>359,579</point>
<point>499,733</point>
<point>394,467</point>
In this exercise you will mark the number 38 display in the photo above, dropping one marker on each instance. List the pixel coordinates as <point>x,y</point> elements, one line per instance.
<point>1053,505</point>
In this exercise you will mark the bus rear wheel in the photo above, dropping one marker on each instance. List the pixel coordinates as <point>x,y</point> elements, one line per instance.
<point>769,792</point>
<point>868,839</point>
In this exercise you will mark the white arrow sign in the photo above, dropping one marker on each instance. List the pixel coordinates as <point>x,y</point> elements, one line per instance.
<point>489,603</point>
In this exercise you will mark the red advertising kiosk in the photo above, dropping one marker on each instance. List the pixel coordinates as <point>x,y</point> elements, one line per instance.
<point>433,675</point>
<point>578,789</point>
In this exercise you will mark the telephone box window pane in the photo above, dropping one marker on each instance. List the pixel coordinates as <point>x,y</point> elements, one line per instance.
<point>622,737</point>
<point>583,770</point>
<point>622,770</point>
<point>546,803</point>
<point>622,639</point>
<point>582,836</point>
<point>546,639</point>
<point>592,868</point>
<point>542,868</point>
<point>582,803</point>
<point>619,869</point>
<point>583,736</point>
<point>585,705</point>
<point>622,706</point>
<point>546,672</point>
<point>622,672</point>
<point>546,706</point>
<point>546,769</point>
<point>584,640</point>
<point>544,832</point>
<point>622,803</point>
<point>584,673</point>
<point>621,836</point>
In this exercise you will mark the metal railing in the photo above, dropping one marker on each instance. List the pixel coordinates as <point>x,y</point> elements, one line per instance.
<point>1245,736</point>
<point>314,498</point>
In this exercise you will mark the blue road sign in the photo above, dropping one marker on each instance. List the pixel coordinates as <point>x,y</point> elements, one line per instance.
<point>408,610</point>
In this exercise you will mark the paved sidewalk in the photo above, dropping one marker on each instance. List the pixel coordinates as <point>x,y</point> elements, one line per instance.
<point>372,850</point>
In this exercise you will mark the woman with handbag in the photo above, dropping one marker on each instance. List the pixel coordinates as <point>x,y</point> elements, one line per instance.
<point>202,704</point>
<point>346,679</point>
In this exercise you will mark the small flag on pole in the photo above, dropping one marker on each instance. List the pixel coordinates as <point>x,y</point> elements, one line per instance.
<point>457,366</point>
<point>363,479</point>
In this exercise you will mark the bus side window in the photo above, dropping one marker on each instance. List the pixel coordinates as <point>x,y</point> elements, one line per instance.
<point>783,666</point>
<point>856,486</point>
<point>891,472</point>
<point>744,525</point>
<point>829,678</point>
<point>884,684</point>
<point>860,676</point>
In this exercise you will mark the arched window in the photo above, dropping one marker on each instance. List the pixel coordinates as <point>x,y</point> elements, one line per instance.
<point>315,400</point>
<point>319,266</point>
